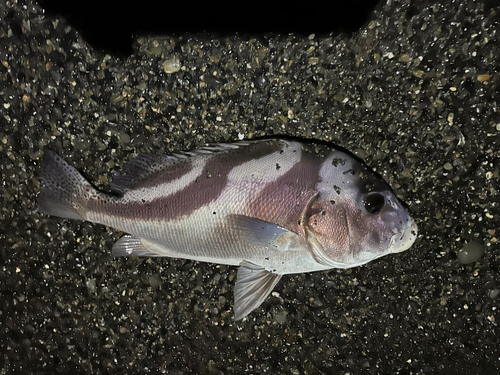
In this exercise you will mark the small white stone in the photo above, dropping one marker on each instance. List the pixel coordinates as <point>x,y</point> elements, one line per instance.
<point>172,65</point>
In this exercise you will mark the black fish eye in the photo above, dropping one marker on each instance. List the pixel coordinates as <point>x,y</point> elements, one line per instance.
<point>374,203</point>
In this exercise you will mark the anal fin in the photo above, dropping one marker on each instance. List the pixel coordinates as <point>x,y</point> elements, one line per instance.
<point>253,286</point>
<point>132,246</point>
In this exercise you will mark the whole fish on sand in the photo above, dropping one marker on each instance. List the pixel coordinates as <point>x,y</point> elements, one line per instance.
<point>271,207</point>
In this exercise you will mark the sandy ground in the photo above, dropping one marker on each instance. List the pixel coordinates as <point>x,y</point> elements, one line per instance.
<point>415,94</point>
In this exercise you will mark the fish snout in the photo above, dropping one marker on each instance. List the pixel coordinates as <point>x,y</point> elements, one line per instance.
<point>403,241</point>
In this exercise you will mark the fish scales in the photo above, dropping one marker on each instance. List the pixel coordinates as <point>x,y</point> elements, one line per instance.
<point>273,207</point>
<point>149,213</point>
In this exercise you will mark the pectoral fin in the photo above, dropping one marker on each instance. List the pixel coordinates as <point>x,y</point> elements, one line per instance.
<point>252,287</point>
<point>260,233</point>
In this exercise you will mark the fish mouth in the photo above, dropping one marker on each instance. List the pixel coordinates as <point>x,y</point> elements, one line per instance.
<point>403,241</point>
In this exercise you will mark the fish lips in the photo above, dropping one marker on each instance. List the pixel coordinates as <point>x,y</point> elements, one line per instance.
<point>403,241</point>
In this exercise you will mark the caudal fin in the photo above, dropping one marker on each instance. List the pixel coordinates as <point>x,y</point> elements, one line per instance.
<point>64,190</point>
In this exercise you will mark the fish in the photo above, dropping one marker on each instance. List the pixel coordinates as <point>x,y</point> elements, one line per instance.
<point>270,207</point>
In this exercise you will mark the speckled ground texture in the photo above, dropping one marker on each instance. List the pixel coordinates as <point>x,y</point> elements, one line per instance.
<point>415,94</point>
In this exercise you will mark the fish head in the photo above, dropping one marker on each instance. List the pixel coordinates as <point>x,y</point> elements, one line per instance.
<point>355,217</point>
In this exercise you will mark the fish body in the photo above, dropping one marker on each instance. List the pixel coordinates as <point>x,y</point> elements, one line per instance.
<point>271,207</point>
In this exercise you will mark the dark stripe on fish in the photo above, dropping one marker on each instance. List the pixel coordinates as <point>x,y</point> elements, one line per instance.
<point>199,193</point>
<point>282,201</point>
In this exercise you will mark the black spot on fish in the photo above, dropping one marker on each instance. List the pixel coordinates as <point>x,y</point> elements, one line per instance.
<point>332,201</point>
<point>277,167</point>
<point>351,171</point>
<point>337,189</point>
<point>338,161</point>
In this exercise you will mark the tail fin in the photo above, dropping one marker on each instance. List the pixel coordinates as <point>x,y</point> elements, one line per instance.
<point>65,191</point>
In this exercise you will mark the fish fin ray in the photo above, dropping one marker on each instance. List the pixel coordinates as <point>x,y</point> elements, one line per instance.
<point>64,190</point>
<point>264,234</point>
<point>218,147</point>
<point>130,245</point>
<point>138,168</point>
<point>252,287</point>
<point>145,164</point>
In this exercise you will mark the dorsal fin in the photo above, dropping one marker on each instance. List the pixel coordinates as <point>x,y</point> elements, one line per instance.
<point>138,168</point>
<point>146,164</point>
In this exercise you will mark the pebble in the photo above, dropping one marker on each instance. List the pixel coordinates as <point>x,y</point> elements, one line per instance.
<point>470,253</point>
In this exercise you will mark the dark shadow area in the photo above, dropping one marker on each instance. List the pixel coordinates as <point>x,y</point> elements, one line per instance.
<point>111,24</point>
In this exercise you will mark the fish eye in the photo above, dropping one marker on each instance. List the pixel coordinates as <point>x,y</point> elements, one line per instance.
<point>374,203</point>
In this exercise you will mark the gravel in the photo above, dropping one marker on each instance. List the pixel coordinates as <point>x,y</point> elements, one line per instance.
<point>415,93</point>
